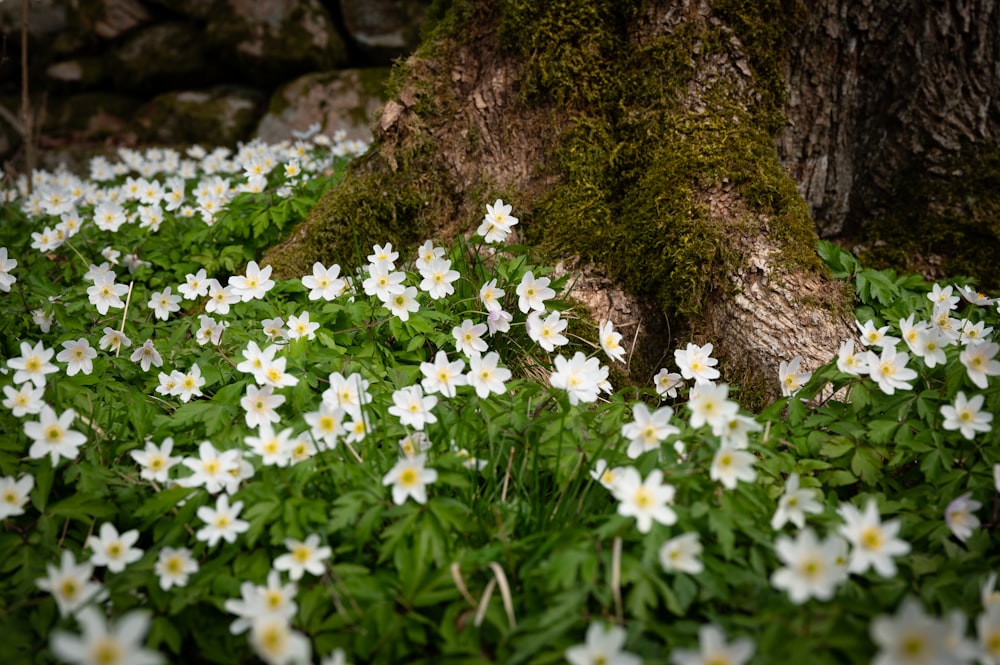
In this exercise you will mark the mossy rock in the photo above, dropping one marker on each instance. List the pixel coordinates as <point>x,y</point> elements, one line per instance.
<point>345,99</point>
<point>269,42</point>
<point>216,117</point>
<point>161,57</point>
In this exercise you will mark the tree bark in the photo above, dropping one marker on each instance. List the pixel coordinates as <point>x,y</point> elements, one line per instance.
<point>637,142</point>
<point>881,89</point>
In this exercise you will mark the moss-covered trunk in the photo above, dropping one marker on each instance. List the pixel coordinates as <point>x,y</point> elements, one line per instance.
<point>635,136</point>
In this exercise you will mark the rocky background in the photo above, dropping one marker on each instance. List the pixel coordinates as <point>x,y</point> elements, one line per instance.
<point>132,72</point>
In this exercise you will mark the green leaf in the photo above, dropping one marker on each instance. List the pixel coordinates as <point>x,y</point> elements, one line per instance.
<point>867,464</point>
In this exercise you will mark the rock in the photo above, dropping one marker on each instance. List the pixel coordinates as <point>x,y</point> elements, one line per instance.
<point>345,99</point>
<point>44,19</point>
<point>77,74</point>
<point>110,19</point>
<point>163,56</point>
<point>196,9</point>
<point>383,29</point>
<point>271,41</point>
<point>88,116</point>
<point>214,117</point>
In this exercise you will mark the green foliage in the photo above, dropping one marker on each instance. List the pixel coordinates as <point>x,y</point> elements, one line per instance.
<point>517,546</point>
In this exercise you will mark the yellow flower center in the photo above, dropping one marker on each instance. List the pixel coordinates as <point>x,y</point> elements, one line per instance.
<point>408,478</point>
<point>106,651</point>
<point>871,538</point>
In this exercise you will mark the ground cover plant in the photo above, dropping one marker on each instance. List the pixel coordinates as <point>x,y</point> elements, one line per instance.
<point>420,460</point>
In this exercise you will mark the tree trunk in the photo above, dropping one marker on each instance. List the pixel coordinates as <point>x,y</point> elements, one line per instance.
<point>880,89</point>
<point>637,140</point>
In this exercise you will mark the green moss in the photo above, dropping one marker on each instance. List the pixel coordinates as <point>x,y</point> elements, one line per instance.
<point>634,159</point>
<point>953,215</point>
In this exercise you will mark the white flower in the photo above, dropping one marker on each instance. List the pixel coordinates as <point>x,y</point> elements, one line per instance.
<point>113,339</point>
<point>795,503</point>
<point>682,553</point>
<point>646,500</point>
<point>14,494</point>
<point>70,583</point>
<point>966,415</point>
<point>960,517</point>
<point>260,404</point>
<point>667,383</point>
<point>254,285</point>
<point>52,436</point>
<point>105,294</point>
<point>24,399</point>
<point>258,602</point>
<point>438,278</point>
<point>174,567</point>
<point>940,296</point>
<point>274,328</point>
<point>273,639</point>
<point>442,376</point>
<point>547,332</point>
<point>221,522</point>
<point>498,321</point>
<point>988,631</point>
<point>812,568</point>
<point>195,285</point>
<point>412,408</point>
<point>580,377</point>
<point>403,304</point>
<point>603,645</point>
<point>427,253</point>
<point>713,649</point>
<point>6,265</point>
<point>730,465</point>
<point>850,362</point>
<point>890,370</point>
<point>911,331</point>
<point>385,254</point>
<point>491,296</point>
<point>930,346</point>
<point>33,364</point>
<point>874,543</point>
<point>606,475</point>
<point>335,658</point>
<point>485,376</point>
<point>910,637</point>
<point>273,374</point>
<point>532,293</point>
<point>469,337</point>
<point>872,336</point>
<point>734,431</point>
<point>79,355</point>
<point>213,470</point>
<point>303,557</point>
<point>648,430</point>
<point>163,303</point>
<point>146,355</point>
<point>978,358</point>
<point>709,405</point>
<point>497,223</point>
<point>274,448</point>
<point>114,550</point>
<point>974,332</point>
<point>120,643</point>
<point>301,326</point>
<point>327,423</point>
<point>382,282</point>
<point>409,478</point>
<point>791,378</point>
<point>209,330</point>
<point>220,298</point>
<point>975,297</point>
<point>696,363</point>
<point>189,385</point>
<point>350,392</point>
<point>611,342</point>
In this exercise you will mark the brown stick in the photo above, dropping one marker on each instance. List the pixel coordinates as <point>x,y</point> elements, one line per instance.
<point>27,128</point>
